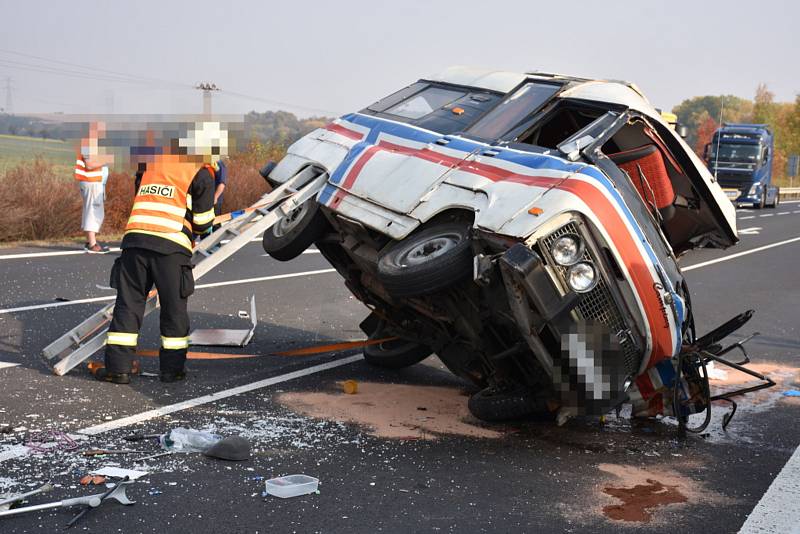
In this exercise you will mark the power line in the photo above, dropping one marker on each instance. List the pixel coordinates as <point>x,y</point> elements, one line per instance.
<point>11,64</point>
<point>96,69</point>
<point>99,74</point>
<point>281,103</point>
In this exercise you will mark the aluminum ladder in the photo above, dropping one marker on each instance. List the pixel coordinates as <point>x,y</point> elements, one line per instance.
<point>88,337</point>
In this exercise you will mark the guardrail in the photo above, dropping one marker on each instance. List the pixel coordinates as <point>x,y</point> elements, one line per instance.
<point>790,193</point>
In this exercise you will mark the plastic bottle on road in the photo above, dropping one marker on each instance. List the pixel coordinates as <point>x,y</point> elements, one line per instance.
<point>188,440</point>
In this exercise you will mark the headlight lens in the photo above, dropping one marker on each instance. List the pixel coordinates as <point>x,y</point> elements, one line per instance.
<point>754,189</point>
<point>567,249</point>
<point>582,277</point>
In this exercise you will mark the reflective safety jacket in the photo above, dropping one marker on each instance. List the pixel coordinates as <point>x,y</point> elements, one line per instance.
<point>174,201</point>
<point>84,174</point>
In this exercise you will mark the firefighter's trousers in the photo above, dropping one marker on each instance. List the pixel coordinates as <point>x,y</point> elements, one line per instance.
<point>134,275</point>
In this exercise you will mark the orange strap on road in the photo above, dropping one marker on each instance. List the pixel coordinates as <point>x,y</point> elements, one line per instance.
<point>320,349</point>
<point>306,351</point>
<point>199,355</point>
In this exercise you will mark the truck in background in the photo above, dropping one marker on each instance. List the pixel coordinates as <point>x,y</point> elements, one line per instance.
<point>740,157</point>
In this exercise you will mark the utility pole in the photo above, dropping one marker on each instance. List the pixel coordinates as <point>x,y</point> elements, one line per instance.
<point>9,101</point>
<point>207,87</point>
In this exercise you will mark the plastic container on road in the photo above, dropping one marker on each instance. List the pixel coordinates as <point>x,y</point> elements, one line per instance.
<point>292,486</point>
<point>188,440</point>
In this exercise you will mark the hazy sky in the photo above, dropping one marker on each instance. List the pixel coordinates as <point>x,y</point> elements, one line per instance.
<point>338,56</point>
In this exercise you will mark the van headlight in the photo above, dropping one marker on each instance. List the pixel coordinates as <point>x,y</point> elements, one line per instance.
<point>753,189</point>
<point>582,277</point>
<point>567,250</point>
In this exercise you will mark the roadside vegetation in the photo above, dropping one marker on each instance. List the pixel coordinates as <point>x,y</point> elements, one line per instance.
<point>38,203</point>
<point>701,115</point>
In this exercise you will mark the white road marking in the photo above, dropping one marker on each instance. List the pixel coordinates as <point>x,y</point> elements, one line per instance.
<point>744,218</point>
<point>778,511</point>
<point>307,251</point>
<point>76,252</point>
<point>213,397</point>
<point>57,304</point>
<point>20,451</point>
<point>739,254</point>
<point>199,286</point>
<point>47,254</point>
<point>796,211</point>
<point>112,249</point>
<point>767,215</point>
<point>783,213</point>
<point>755,230</point>
<point>5,365</point>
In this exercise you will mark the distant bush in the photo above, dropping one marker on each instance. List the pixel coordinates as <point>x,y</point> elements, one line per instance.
<point>245,184</point>
<point>37,203</point>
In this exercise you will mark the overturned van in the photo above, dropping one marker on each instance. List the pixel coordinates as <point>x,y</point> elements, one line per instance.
<point>524,227</point>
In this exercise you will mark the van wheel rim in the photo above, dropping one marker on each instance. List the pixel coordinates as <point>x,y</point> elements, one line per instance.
<point>290,222</point>
<point>430,249</point>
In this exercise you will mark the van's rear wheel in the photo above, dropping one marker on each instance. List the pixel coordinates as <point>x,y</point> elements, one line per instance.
<point>293,234</point>
<point>493,405</point>
<point>395,353</point>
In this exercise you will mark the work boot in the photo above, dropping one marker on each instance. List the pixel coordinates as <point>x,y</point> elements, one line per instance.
<point>104,375</point>
<point>172,377</point>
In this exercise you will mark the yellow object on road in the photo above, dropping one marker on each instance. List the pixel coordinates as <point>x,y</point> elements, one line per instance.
<point>350,387</point>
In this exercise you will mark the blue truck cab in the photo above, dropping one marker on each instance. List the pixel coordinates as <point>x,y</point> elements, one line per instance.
<point>740,156</point>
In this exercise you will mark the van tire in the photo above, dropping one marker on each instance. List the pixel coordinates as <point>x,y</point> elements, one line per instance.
<point>396,353</point>
<point>289,237</point>
<point>429,260</point>
<point>495,405</point>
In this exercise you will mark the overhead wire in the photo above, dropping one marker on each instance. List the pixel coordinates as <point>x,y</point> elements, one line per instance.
<point>99,74</point>
<point>96,69</point>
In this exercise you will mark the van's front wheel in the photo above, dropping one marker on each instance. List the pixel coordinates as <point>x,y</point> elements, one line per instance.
<point>289,237</point>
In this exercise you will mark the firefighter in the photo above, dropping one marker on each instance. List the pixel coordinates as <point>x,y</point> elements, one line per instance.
<point>175,200</point>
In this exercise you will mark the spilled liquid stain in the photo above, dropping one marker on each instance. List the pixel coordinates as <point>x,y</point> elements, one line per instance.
<point>639,501</point>
<point>398,411</point>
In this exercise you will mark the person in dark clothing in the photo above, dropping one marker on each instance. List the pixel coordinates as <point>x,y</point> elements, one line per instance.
<point>174,200</point>
<point>220,184</point>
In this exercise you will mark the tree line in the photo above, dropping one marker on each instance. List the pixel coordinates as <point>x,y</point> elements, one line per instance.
<point>701,116</point>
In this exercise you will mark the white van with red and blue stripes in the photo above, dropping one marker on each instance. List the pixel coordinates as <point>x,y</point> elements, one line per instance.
<point>524,227</point>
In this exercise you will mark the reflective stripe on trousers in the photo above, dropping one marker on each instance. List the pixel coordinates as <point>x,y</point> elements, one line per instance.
<point>174,343</point>
<point>122,338</point>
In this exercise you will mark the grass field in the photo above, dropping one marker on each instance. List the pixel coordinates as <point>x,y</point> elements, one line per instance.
<point>15,149</point>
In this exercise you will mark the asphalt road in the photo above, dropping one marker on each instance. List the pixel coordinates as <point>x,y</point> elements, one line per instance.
<point>534,477</point>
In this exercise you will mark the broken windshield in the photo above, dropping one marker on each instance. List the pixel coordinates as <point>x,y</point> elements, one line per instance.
<point>526,100</point>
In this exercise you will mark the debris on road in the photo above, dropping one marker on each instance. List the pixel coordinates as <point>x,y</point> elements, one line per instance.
<point>116,492</point>
<point>350,387</point>
<point>102,452</point>
<point>95,480</point>
<point>6,502</point>
<point>226,337</point>
<point>233,448</point>
<point>118,472</point>
<point>188,440</point>
<point>51,440</point>
<point>291,486</point>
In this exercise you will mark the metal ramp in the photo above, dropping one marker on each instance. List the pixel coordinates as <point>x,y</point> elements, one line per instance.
<point>88,337</point>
